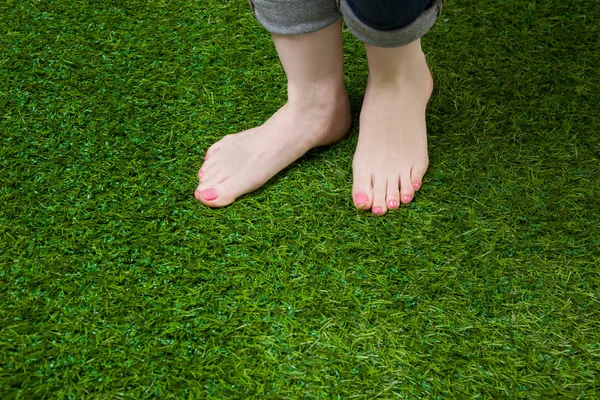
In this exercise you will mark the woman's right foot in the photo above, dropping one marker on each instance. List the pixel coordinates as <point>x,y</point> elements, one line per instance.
<point>242,162</point>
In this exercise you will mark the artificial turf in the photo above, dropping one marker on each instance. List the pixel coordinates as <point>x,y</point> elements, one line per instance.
<point>117,283</point>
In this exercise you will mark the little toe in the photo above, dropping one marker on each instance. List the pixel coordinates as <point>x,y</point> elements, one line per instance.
<point>416,175</point>
<point>393,193</point>
<point>362,192</point>
<point>379,192</point>
<point>407,191</point>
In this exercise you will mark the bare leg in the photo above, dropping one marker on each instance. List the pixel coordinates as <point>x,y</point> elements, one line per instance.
<point>391,156</point>
<point>317,113</point>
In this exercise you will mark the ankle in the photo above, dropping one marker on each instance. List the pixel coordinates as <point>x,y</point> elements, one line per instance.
<point>321,95</point>
<point>397,66</point>
<point>408,71</point>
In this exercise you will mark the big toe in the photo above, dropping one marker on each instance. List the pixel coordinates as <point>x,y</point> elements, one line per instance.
<point>215,195</point>
<point>362,191</point>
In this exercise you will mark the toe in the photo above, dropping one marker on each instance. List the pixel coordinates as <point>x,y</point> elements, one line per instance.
<point>393,193</point>
<point>204,172</point>
<point>216,195</point>
<point>211,150</point>
<point>206,167</point>
<point>416,175</point>
<point>362,191</point>
<point>213,175</point>
<point>201,176</point>
<point>207,194</point>
<point>207,172</point>
<point>379,193</point>
<point>407,191</point>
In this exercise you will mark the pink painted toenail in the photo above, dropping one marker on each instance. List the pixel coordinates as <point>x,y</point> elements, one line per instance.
<point>377,210</point>
<point>361,199</point>
<point>200,173</point>
<point>209,194</point>
<point>407,198</point>
<point>416,185</point>
<point>393,203</point>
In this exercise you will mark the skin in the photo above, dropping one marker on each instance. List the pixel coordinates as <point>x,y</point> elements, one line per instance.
<point>391,156</point>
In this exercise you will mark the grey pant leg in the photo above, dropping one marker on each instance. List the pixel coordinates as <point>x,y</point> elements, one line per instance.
<point>295,17</point>
<point>395,37</point>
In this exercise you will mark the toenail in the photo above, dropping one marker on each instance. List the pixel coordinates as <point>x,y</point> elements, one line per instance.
<point>377,210</point>
<point>200,173</point>
<point>361,199</point>
<point>407,198</point>
<point>209,194</point>
<point>416,185</point>
<point>393,203</point>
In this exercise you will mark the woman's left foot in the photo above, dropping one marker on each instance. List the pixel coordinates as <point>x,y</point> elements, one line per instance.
<point>391,156</point>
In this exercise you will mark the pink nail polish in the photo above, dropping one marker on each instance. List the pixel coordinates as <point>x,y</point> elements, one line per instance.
<point>393,203</point>
<point>200,173</point>
<point>416,185</point>
<point>407,198</point>
<point>377,210</point>
<point>361,199</point>
<point>209,194</point>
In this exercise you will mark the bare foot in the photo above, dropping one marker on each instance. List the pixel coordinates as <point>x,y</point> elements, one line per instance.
<point>391,156</point>
<point>242,162</point>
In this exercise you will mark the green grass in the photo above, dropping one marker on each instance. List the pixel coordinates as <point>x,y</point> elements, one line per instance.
<point>116,283</point>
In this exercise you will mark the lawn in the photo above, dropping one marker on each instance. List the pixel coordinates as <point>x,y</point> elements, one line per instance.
<point>116,283</point>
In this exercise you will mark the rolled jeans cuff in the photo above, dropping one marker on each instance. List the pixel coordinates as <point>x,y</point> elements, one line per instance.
<point>293,17</point>
<point>395,37</point>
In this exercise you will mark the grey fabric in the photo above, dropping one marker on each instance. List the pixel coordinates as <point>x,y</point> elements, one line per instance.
<point>296,17</point>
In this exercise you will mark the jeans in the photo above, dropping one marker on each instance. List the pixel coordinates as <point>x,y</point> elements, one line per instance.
<point>387,15</point>
<point>381,23</point>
